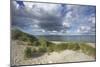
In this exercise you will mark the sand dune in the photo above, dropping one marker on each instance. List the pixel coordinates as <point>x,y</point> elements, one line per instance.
<point>17,58</point>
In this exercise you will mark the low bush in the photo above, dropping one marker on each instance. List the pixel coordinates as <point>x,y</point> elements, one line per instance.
<point>28,52</point>
<point>60,47</point>
<point>42,50</point>
<point>73,46</point>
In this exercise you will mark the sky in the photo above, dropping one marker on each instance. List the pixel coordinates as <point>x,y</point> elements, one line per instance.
<point>53,19</point>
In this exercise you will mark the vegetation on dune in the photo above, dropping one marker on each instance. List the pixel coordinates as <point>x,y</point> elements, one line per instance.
<point>73,46</point>
<point>60,47</point>
<point>22,36</point>
<point>89,50</point>
<point>41,45</point>
<point>28,52</point>
<point>36,43</point>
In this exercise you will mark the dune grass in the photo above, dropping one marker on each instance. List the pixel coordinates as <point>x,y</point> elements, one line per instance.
<point>89,50</point>
<point>45,46</point>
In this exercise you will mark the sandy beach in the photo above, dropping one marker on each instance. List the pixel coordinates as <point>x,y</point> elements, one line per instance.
<point>17,54</point>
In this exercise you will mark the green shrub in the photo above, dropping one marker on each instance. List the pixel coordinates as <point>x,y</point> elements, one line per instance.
<point>60,47</point>
<point>76,46</point>
<point>73,46</point>
<point>49,43</point>
<point>28,52</point>
<point>51,48</point>
<point>42,50</point>
<point>35,43</point>
<point>43,42</point>
<point>34,50</point>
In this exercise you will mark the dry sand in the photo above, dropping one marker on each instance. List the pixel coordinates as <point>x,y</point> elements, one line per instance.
<point>17,56</point>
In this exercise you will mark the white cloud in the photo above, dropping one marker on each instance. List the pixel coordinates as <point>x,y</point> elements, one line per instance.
<point>54,31</point>
<point>28,4</point>
<point>92,20</point>
<point>66,24</point>
<point>43,30</point>
<point>14,5</point>
<point>37,8</point>
<point>69,14</point>
<point>38,30</point>
<point>36,26</point>
<point>83,29</point>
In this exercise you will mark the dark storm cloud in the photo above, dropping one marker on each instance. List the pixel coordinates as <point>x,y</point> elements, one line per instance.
<point>51,23</point>
<point>47,21</point>
<point>21,22</point>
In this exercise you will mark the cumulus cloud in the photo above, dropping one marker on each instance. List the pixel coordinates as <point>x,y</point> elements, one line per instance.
<point>83,29</point>
<point>92,20</point>
<point>86,30</point>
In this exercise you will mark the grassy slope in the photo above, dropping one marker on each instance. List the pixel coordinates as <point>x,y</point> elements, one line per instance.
<point>19,35</point>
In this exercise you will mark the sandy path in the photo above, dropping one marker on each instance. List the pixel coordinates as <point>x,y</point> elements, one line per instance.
<point>54,57</point>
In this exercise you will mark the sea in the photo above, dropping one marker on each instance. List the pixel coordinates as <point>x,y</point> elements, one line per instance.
<point>70,38</point>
